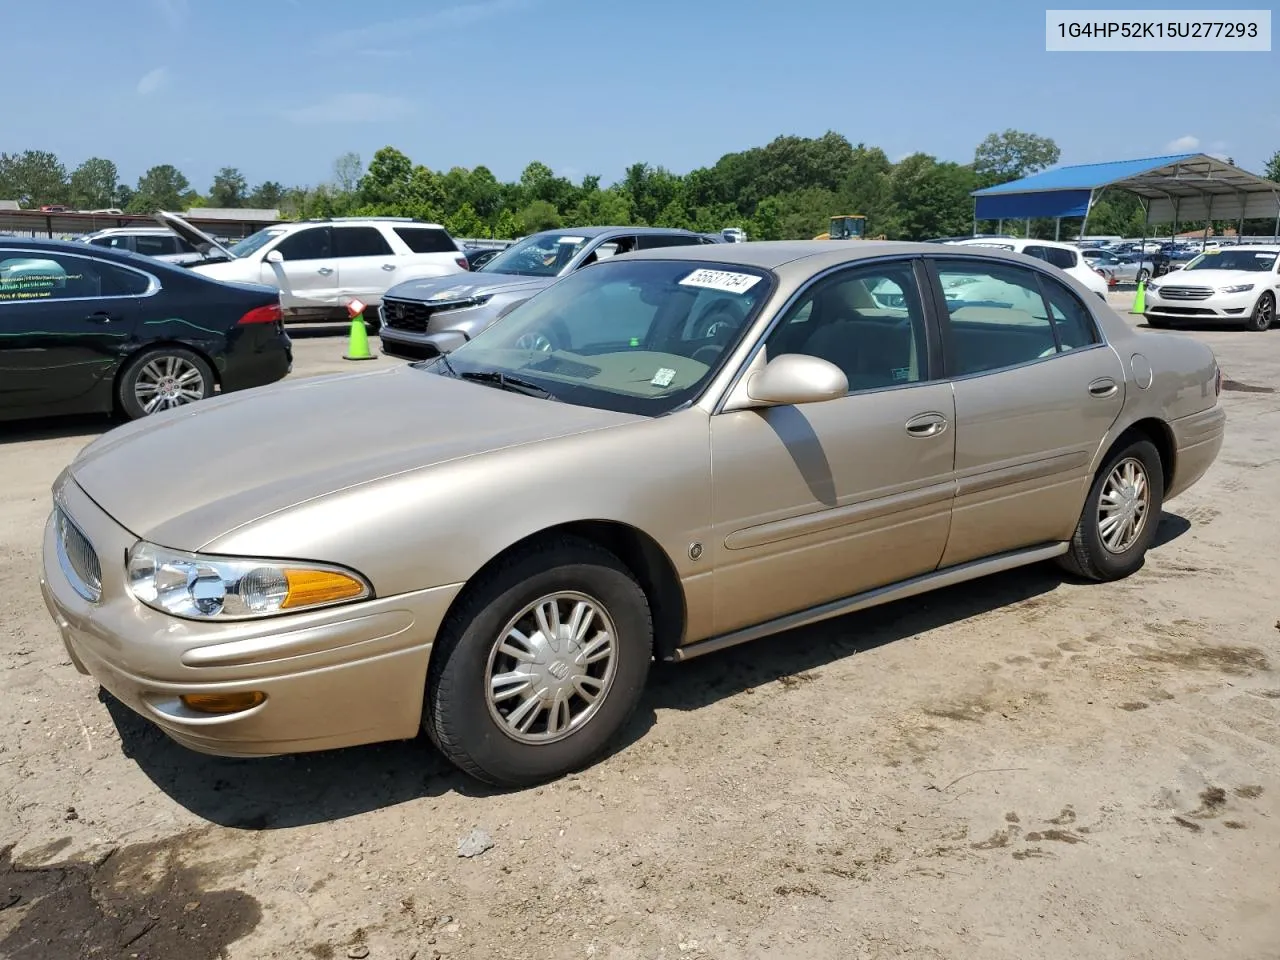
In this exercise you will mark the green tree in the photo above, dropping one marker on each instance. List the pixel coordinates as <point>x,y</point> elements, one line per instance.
<point>268,195</point>
<point>160,188</point>
<point>484,193</point>
<point>347,170</point>
<point>767,223</point>
<point>388,178</point>
<point>229,188</point>
<point>1272,171</point>
<point>603,208</point>
<point>33,178</point>
<point>1002,157</point>
<point>423,197</point>
<point>94,184</point>
<point>539,215</point>
<point>931,199</point>
<point>507,227</point>
<point>464,222</point>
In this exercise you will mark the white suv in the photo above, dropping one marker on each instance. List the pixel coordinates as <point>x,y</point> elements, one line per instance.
<point>320,265</point>
<point>1063,256</point>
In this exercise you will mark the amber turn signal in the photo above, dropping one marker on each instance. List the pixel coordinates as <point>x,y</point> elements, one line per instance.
<point>310,587</point>
<point>222,702</point>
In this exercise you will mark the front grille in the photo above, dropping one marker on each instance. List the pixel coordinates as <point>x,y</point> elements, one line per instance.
<point>406,315</point>
<point>1186,311</point>
<point>1184,293</point>
<point>78,558</point>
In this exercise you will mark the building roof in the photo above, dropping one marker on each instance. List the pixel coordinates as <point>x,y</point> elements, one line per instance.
<point>1183,186</point>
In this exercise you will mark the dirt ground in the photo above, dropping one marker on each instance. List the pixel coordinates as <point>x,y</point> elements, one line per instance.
<point>1018,767</point>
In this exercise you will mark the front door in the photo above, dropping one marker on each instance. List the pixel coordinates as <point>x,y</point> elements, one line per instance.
<point>308,277</point>
<point>65,320</point>
<point>816,502</point>
<point>1034,399</point>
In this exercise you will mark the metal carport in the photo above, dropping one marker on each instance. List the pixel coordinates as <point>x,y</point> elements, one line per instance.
<point>1185,186</point>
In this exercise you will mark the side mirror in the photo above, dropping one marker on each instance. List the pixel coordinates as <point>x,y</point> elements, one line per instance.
<point>797,378</point>
<point>275,256</point>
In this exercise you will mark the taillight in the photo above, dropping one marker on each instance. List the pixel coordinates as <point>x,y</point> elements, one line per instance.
<point>462,262</point>
<point>268,314</point>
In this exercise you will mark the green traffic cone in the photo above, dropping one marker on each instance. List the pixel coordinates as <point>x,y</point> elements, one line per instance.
<point>1140,301</point>
<point>358,342</point>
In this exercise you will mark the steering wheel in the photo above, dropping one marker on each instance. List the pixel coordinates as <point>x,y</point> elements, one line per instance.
<point>551,335</point>
<point>718,321</point>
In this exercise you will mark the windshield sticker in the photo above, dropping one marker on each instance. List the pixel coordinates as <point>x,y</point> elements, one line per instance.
<point>663,377</point>
<point>722,280</point>
<point>571,240</point>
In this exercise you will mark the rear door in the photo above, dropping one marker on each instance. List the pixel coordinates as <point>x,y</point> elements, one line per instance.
<point>65,320</point>
<point>1036,390</point>
<point>366,263</point>
<point>308,276</point>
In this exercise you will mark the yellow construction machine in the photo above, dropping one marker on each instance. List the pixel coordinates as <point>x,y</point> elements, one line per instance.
<point>849,226</point>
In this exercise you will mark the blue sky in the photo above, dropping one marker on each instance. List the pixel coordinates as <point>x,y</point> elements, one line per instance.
<point>279,88</point>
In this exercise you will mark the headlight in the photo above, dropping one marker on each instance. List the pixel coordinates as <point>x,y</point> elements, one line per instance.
<point>1152,287</point>
<point>1238,288</point>
<point>232,588</point>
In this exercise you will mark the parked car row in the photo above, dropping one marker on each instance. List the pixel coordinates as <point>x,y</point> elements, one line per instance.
<point>656,456</point>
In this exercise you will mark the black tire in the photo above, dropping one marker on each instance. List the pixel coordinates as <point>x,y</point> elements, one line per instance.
<point>144,367</point>
<point>1264,313</point>
<point>457,715</point>
<point>1143,276</point>
<point>1088,556</point>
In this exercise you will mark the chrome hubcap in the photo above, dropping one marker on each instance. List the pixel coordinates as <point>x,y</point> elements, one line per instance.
<point>1265,309</point>
<point>551,668</point>
<point>1122,510</point>
<point>168,382</point>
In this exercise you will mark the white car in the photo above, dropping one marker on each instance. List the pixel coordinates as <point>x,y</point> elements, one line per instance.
<point>1062,255</point>
<point>1229,285</point>
<point>158,242</point>
<point>319,266</point>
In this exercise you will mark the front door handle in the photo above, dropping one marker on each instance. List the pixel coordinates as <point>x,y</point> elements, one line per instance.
<point>1102,388</point>
<point>325,271</point>
<point>388,266</point>
<point>100,317</point>
<point>926,425</point>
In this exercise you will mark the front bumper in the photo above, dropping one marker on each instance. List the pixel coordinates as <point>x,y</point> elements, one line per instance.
<point>411,345</point>
<point>1219,307</point>
<point>334,677</point>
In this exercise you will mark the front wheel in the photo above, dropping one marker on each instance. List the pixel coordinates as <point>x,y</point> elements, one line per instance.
<point>1264,313</point>
<point>1118,524</point>
<point>1143,276</point>
<point>540,666</point>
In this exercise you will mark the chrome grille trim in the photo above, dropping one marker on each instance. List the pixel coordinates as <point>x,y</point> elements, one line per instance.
<point>1184,293</point>
<point>78,559</point>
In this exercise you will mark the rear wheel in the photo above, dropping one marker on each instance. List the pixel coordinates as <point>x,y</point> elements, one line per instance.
<point>162,378</point>
<point>1118,524</point>
<point>1264,313</point>
<point>541,664</point>
<point>1143,276</point>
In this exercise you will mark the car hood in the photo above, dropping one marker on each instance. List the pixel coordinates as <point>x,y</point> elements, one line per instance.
<point>186,477</point>
<point>1213,278</point>
<point>197,238</point>
<point>466,286</point>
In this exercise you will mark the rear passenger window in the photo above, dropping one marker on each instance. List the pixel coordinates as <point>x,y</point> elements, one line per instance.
<point>1063,259</point>
<point>997,316</point>
<point>309,244</point>
<point>867,321</point>
<point>426,240</point>
<point>1074,323</point>
<point>154,245</point>
<point>648,242</point>
<point>359,242</point>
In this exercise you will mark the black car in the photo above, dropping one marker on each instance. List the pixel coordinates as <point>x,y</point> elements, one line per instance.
<point>84,330</point>
<point>477,257</point>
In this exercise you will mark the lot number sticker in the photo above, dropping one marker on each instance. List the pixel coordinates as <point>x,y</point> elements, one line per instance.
<point>722,280</point>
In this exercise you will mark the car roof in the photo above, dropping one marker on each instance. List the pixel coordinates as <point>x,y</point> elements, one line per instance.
<point>772,254</point>
<point>593,232</point>
<point>352,222</point>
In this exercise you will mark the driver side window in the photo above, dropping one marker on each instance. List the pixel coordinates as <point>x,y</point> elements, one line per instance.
<point>868,321</point>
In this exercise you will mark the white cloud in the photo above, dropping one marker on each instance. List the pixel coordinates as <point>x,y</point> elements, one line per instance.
<point>172,12</point>
<point>352,108</point>
<point>1183,144</point>
<point>459,15</point>
<point>153,81</point>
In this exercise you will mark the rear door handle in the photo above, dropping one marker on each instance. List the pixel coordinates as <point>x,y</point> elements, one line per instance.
<point>926,425</point>
<point>100,317</point>
<point>388,266</point>
<point>1102,388</point>
<point>325,271</point>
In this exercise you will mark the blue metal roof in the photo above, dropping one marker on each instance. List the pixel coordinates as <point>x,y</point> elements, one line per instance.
<point>1084,176</point>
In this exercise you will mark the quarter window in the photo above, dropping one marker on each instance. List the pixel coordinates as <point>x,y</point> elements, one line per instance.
<point>997,316</point>
<point>360,242</point>
<point>154,245</point>
<point>310,244</point>
<point>869,322</point>
<point>426,240</point>
<point>1074,323</point>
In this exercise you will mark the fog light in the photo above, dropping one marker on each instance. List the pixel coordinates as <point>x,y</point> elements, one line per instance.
<point>222,702</point>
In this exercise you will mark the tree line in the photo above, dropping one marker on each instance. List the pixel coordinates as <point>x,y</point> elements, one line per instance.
<point>786,189</point>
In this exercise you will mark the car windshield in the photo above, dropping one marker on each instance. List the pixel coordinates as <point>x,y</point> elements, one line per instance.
<point>641,336</point>
<point>255,241</point>
<point>542,255</point>
<point>1255,261</point>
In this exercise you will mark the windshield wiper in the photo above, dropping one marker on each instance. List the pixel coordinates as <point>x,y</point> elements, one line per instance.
<point>504,381</point>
